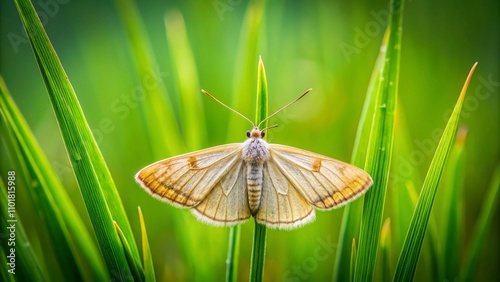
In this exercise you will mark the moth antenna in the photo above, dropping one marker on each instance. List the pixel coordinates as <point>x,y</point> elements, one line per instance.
<point>269,127</point>
<point>216,100</point>
<point>285,106</point>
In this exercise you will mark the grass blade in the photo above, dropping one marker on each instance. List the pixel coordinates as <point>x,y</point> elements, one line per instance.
<point>404,197</point>
<point>386,248</point>
<point>147,259</point>
<point>380,148</point>
<point>351,219</point>
<point>452,208</point>
<point>247,52</point>
<point>473,251</point>
<point>159,115</point>
<point>135,265</point>
<point>352,264</point>
<point>410,253</point>
<point>259,237</point>
<point>94,179</point>
<point>187,81</point>
<point>233,254</point>
<point>244,68</point>
<point>69,237</point>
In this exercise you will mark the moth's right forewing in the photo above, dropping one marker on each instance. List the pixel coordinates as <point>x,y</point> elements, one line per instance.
<point>325,182</point>
<point>186,180</point>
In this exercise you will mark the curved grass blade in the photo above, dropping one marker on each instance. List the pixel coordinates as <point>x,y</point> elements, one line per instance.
<point>352,265</point>
<point>244,68</point>
<point>487,212</point>
<point>94,179</point>
<point>380,148</point>
<point>351,218</point>
<point>233,254</point>
<point>404,197</point>
<point>159,115</point>
<point>453,207</point>
<point>192,115</point>
<point>386,249</point>
<point>70,239</point>
<point>259,237</point>
<point>135,265</point>
<point>410,253</point>
<point>147,259</point>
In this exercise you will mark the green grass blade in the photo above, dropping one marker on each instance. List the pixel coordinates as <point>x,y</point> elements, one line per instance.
<point>472,254</point>
<point>159,115</point>
<point>233,254</point>
<point>410,253</point>
<point>404,197</point>
<point>386,249</point>
<point>69,236</point>
<point>380,148</point>
<point>403,181</point>
<point>147,258</point>
<point>26,266</point>
<point>192,115</point>
<point>135,265</point>
<point>94,179</point>
<point>244,78</point>
<point>352,265</point>
<point>351,219</point>
<point>452,208</point>
<point>259,237</point>
<point>262,111</point>
<point>243,82</point>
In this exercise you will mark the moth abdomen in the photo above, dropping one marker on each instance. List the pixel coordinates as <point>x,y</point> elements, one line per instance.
<point>254,185</point>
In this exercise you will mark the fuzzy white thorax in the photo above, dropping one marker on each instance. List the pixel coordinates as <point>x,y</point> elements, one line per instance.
<point>255,155</point>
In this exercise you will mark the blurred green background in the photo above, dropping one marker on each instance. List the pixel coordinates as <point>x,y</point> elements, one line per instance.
<point>330,46</point>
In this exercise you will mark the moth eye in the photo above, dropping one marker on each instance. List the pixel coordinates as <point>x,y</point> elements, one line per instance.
<point>262,134</point>
<point>248,134</point>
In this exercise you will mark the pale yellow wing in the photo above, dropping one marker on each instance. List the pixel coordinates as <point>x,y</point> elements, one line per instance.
<point>186,180</point>
<point>324,182</point>
<point>281,205</point>
<point>227,203</point>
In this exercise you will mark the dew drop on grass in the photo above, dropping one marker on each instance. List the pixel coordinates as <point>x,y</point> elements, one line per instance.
<point>76,156</point>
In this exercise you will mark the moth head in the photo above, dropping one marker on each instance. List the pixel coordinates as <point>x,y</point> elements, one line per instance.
<point>256,133</point>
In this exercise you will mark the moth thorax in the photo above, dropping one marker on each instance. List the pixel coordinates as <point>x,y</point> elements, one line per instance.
<point>255,151</point>
<point>254,185</point>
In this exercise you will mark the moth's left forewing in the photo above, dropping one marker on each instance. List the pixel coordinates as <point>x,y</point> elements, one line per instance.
<point>227,203</point>
<point>186,180</point>
<point>325,182</point>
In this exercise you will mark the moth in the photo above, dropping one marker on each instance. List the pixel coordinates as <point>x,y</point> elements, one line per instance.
<point>278,185</point>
